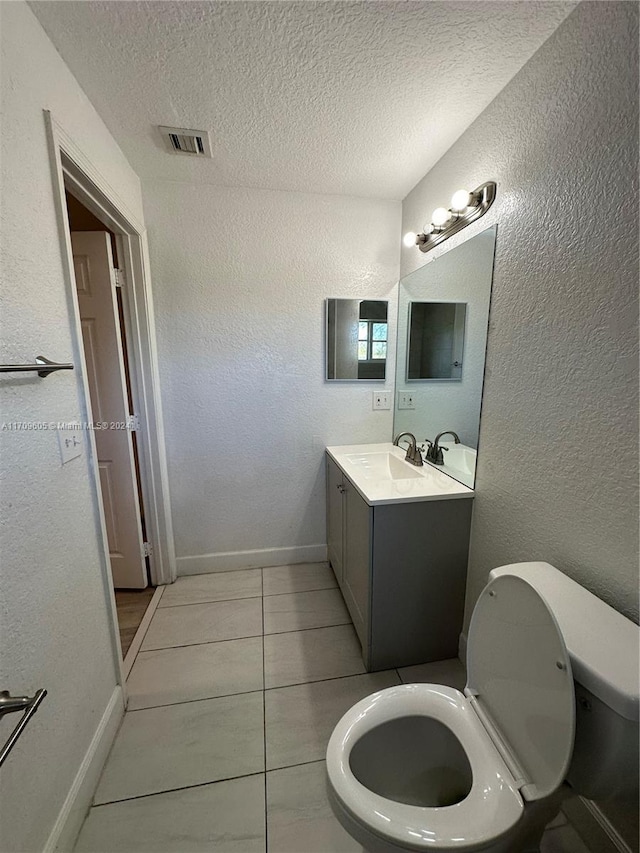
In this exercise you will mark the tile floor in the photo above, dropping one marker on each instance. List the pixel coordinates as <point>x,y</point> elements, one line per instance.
<point>238,684</point>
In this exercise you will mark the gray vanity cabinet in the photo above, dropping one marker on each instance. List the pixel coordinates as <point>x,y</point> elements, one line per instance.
<point>334,518</point>
<point>402,570</point>
<point>356,563</point>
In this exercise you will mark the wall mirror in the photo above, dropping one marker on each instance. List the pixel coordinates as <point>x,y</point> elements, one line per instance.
<point>435,343</point>
<point>356,335</point>
<point>443,317</point>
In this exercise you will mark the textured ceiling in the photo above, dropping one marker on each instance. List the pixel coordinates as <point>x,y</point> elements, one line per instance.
<point>358,98</point>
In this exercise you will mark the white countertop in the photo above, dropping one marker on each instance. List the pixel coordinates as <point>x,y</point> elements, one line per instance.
<point>422,483</point>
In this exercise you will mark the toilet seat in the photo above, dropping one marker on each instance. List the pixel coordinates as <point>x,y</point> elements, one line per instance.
<point>515,725</point>
<point>519,673</point>
<point>492,807</point>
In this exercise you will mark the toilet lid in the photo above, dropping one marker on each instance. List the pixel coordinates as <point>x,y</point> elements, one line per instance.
<point>519,673</point>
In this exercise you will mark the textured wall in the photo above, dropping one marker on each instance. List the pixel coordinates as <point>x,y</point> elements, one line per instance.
<point>240,279</point>
<point>54,631</point>
<point>557,471</point>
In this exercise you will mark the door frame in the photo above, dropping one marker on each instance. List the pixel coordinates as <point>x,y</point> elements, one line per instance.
<point>72,170</point>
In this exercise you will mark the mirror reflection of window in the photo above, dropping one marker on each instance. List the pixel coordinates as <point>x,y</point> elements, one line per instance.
<point>372,340</point>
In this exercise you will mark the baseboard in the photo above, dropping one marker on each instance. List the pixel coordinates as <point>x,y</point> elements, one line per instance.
<point>229,561</point>
<point>78,801</point>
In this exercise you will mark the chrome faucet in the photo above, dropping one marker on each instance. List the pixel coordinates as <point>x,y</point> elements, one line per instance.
<point>413,454</point>
<point>434,453</point>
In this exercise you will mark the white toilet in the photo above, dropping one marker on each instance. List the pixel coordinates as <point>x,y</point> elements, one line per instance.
<point>552,697</point>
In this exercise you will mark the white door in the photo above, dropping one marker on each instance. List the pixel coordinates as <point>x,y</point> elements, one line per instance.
<point>96,286</point>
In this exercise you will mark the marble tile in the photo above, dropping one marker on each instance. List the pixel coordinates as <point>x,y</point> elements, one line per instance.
<point>297,578</point>
<point>186,673</point>
<point>299,817</point>
<point>300,610</point>
<point>227,817</point>
<point>176,746</point>
<point>217,586</point>
<point>299,720</point>
<point>311,655</point>
<point>204,623</point>
<point>450,672</point>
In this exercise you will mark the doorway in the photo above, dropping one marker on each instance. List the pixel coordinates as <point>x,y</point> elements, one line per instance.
<point>99,286</point>
<point>105,255</point>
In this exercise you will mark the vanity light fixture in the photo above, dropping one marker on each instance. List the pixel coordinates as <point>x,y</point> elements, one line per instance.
<point>465,208</point>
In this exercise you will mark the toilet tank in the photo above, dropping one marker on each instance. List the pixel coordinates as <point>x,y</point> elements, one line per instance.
<point>604,648</point>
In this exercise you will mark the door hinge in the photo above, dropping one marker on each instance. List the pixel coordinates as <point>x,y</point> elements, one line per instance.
<point>133,422</point>
<point>147,549</point>
<point>118,277</point>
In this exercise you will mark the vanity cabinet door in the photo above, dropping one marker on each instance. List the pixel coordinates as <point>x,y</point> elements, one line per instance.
<point>419,569</point>
<point>357,562</point>
<point>335,518</point>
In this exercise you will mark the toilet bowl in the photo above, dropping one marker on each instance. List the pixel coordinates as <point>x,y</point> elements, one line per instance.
<point>420,773</point>
<point>426,767</point>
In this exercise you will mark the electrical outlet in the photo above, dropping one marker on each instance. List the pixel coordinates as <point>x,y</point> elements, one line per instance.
<point>406,400</point>
<point>70,441</point>
<point>381,400</point>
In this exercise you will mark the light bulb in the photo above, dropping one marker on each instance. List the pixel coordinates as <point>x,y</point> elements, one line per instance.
<point>440,216</point>
<point>409,238</point>
<point>460,200</point>
<point>428,229</point>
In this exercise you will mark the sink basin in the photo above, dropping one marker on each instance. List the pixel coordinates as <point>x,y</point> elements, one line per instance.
<point>459,462</point>
<point>460,457</point>
<point>381,475</point>
<point>384,466</point>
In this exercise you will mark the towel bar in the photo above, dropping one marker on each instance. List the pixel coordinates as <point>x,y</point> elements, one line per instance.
<point>43,367</point>
<point>11,704</point>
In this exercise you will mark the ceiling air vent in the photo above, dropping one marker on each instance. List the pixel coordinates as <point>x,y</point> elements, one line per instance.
<point>181,140</point>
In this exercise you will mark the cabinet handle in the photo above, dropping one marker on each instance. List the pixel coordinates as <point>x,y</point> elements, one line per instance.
<point>341,488</point>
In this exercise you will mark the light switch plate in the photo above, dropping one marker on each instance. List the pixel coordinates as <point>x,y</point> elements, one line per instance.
<point>70,441</point>
<point>406,400</point>
<point>381,400</point>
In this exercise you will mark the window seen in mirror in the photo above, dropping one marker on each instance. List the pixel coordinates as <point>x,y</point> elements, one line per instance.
<point>372,340</point>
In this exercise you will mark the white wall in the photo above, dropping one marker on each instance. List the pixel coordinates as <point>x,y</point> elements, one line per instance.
<point>53,624</point>
<point>557,469</point>
<point>240,279</point>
